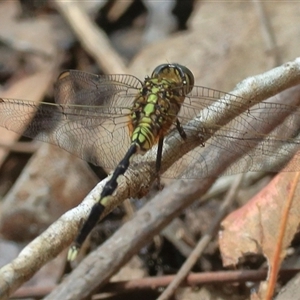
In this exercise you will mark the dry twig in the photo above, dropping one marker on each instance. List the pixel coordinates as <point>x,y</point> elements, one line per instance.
<point>93,40</point>
<point>268,33</point>
<point>151,283</point>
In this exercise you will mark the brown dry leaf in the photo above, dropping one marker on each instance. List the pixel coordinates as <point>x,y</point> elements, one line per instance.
<point>225,43</point>
<point>38,198</point>
<point>254,227</point>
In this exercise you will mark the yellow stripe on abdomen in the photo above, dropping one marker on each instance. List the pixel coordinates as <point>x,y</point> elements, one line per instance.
<point>143,136</point>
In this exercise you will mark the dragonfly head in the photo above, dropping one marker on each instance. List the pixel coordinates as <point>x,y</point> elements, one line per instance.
<point>175,73</point>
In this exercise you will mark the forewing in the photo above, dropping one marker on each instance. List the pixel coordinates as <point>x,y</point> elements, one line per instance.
<point>89,118</point>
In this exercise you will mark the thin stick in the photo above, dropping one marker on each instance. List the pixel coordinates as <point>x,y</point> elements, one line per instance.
<point>93,40</point>
<point>22,147</point>
<point>268,32</point>
<point>151,283</point>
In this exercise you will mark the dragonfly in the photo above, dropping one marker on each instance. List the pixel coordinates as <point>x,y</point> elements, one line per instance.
<point>113,120</point>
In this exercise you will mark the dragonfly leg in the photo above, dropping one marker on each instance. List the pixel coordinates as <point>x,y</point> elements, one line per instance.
<point>158,161</point>
<point>180,129</point>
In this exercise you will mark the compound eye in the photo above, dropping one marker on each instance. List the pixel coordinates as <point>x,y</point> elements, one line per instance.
<point>190,79</point>
<point>180,73</point>
<point>159,69</point>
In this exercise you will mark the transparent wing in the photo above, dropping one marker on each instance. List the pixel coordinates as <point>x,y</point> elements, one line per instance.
<point>89,118</point>
<point>264,137</point>
<point>91,113</point>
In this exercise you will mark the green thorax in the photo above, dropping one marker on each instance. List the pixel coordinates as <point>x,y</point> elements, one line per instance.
<point>156,107</point>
